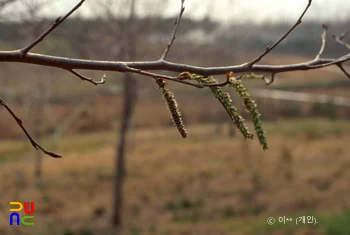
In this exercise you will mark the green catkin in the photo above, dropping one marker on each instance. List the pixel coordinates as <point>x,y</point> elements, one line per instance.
<point>251,106</point>
<point>174,111</point>
<point>225,100</point>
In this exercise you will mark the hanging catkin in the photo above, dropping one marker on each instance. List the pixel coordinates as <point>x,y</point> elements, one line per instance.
<point>251,107</point>
<point>174,112</point>
<point>173,108</point>
<point>224,99</point>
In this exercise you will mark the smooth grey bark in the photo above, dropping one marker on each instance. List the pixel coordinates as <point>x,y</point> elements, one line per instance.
<point>121,66</point>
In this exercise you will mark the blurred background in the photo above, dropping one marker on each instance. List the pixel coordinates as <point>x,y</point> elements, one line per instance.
<point>214,181</point>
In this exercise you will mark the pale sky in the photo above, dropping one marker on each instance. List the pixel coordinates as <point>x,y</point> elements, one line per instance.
<point>273,10</point>
<point>226,10</point>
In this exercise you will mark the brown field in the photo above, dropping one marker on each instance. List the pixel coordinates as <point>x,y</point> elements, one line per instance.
<point>206,184</point>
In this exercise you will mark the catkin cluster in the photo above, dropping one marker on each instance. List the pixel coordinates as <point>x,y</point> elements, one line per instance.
<point>226,102</point>
<point>224,99</point>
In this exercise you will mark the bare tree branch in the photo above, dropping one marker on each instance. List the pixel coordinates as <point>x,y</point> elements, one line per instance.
<point>176,26</point>
<point>339,62</point>
<point>270,48</point>
<point>84,78</point>
<point>155,76</point>
<point>343,35</point>
<point>323,45</point>
<point>339,39</point>
<point>161,64</point>
<point>343,70</point>
<point>341,42</point>
<point>140,67</point>
<point>32,141</point>
<point>58,21</point>
<point>122,66</point>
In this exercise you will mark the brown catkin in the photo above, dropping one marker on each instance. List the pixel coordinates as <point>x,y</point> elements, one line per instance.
<point>174,111</point>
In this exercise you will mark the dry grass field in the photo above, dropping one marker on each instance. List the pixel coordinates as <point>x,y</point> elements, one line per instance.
<point>206,184</point>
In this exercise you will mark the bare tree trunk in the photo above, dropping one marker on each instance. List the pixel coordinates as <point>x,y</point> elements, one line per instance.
<point>129,101</point>
<point>130,96</point>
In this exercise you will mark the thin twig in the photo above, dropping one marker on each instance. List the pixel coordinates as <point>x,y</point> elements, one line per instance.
<point>176,26</point>
<point>347,45</point>
<point>339,40</point>
<point>339,61</point>
<point>324,41</point>
<point>219,84</point>
<point>84,78</point>
<point>58,21</point>
<point>269,82</point>
<point>343,35</point>
<point>155,76</point>
<point>326,63</point>
<point>343,70</point>
<point>32,141</point>
<point>269,48</point>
